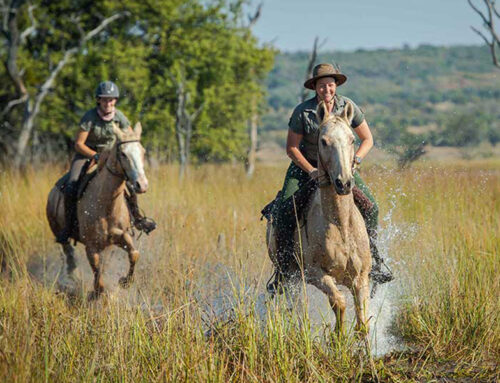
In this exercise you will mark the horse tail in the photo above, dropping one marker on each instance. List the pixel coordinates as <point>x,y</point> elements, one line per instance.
<point>55,210</point>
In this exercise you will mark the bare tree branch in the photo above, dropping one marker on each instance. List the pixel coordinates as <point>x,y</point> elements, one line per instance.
<point>489,25</point>
<point>32,111</point>
<point>495,10</point>
<point>310,64</point>
<point>12,104</point>
<point>481,34</point>
<point>252,19</point>
<point>33,25</point>
<point>478,11</point>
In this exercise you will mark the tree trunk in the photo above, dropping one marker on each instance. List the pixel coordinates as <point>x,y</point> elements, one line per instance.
<point>180,128</point>
<point>310,65</point>
<point>252,151</point>
<point>24,136</point>
<point>32,107</point>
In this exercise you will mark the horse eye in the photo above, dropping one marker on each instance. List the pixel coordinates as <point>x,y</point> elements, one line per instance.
<point>323,142</point>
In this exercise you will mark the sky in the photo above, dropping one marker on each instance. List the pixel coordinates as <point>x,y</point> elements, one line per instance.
<point>347,25</point>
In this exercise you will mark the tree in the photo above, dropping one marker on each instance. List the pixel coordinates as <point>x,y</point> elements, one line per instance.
<point>310,65</point>
<point>39,40</point>
<point>188,69</point>
<point>489,18</point>
<point>254,117</point>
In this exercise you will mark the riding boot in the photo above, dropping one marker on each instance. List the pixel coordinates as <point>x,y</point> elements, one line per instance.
<point>69,192</point>
<point>140,222</point>
<point>284,258</point>
<point>377,274</point>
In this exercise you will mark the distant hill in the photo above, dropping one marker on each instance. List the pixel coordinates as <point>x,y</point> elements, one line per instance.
<point>442,95</point>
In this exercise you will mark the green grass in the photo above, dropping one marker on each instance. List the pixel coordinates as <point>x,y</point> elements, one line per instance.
<point>174,324</point>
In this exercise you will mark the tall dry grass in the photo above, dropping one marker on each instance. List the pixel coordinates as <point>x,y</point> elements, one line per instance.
<point>197,311</point>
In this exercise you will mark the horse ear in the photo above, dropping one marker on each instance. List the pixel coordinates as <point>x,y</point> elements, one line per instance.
<point>138,129</point>
<point>320,117</point>
<point>348,113</point>
<point>118,132</point>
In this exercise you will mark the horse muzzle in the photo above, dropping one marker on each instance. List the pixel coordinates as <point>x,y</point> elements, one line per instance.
<point>343,188</point>
<point>140,185</point>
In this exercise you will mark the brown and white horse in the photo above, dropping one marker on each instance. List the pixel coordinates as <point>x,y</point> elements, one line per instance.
<point>102,212</point>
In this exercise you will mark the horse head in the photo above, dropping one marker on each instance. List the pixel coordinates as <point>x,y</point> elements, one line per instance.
<point>127,157</point>
<point>336,148</point>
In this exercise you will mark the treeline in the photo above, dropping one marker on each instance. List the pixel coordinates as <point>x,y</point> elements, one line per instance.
<point>190,70</point>
<point>440,95</point>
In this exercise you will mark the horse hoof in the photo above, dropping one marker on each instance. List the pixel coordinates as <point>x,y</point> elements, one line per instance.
<point>125,282</point>
<point>93,296</point>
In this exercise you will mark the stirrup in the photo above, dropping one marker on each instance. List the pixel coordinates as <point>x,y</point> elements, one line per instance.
<point>145,224</point>
<point>276,286</point>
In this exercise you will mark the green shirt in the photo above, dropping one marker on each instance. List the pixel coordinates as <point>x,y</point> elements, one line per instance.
<point>101,134</point>
<point>303,121</point>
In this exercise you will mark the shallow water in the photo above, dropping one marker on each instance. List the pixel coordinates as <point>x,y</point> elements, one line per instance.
<point>220,289</point>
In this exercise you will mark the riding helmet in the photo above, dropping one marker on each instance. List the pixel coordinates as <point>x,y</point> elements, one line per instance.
<point>107,89</point>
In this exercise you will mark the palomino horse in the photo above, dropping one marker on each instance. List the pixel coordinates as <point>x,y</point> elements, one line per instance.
<point>335,246</point>
<point>103,215</point>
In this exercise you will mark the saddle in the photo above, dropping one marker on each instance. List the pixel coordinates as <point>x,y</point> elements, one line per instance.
<point>360,200</point>
<point>87,174</point>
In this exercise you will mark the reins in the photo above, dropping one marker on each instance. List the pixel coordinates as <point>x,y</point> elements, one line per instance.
<point>123,174</point>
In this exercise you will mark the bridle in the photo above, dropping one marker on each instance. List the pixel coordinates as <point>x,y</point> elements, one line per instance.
<point>123,173</point>
<point>328,179</point>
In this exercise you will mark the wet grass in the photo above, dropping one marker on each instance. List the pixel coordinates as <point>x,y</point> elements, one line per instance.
<point>197,311</point>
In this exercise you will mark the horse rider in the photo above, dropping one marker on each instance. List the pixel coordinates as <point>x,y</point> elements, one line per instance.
<point>94,135</point>
<point>302,175</point>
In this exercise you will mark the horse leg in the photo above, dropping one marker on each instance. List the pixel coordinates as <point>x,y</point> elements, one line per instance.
<point>126,243</point>
<point>361,292</point>
<point>326,284</point>
<point>66,280</point>
<point>69,252</point>
<point>94,260</point>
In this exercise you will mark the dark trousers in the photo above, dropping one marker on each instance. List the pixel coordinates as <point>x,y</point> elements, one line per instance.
<point>295,194</point>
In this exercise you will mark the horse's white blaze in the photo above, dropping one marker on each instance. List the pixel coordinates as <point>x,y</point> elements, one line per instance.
<point>337,155</point>
<point>134,152</point>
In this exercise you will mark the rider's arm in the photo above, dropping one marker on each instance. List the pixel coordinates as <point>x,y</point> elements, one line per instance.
<point>365,135</point>
<point>293,151</point>
<point>80,145</point>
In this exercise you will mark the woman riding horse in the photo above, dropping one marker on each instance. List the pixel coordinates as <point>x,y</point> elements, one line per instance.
<point>95,135</point>
<point>302,176</point>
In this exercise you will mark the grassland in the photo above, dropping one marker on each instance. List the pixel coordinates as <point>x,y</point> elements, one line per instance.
<point>197,310</point>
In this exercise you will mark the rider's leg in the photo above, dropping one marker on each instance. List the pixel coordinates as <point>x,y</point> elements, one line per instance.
<point>369,209</point>
<point>296,192</point>
<point>140,222</point>
<point>70,197</point>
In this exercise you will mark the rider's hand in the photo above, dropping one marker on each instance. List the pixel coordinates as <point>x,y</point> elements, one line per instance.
<point>314,174</point>
<point>356,162</point>
<point>94,159</point>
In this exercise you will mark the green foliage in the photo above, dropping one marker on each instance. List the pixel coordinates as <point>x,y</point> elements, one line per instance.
<point>468,128</point>
<point>204,42</point>
<point>433,90</point>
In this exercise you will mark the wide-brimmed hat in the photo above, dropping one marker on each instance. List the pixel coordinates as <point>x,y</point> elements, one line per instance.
<point>325,70</point>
